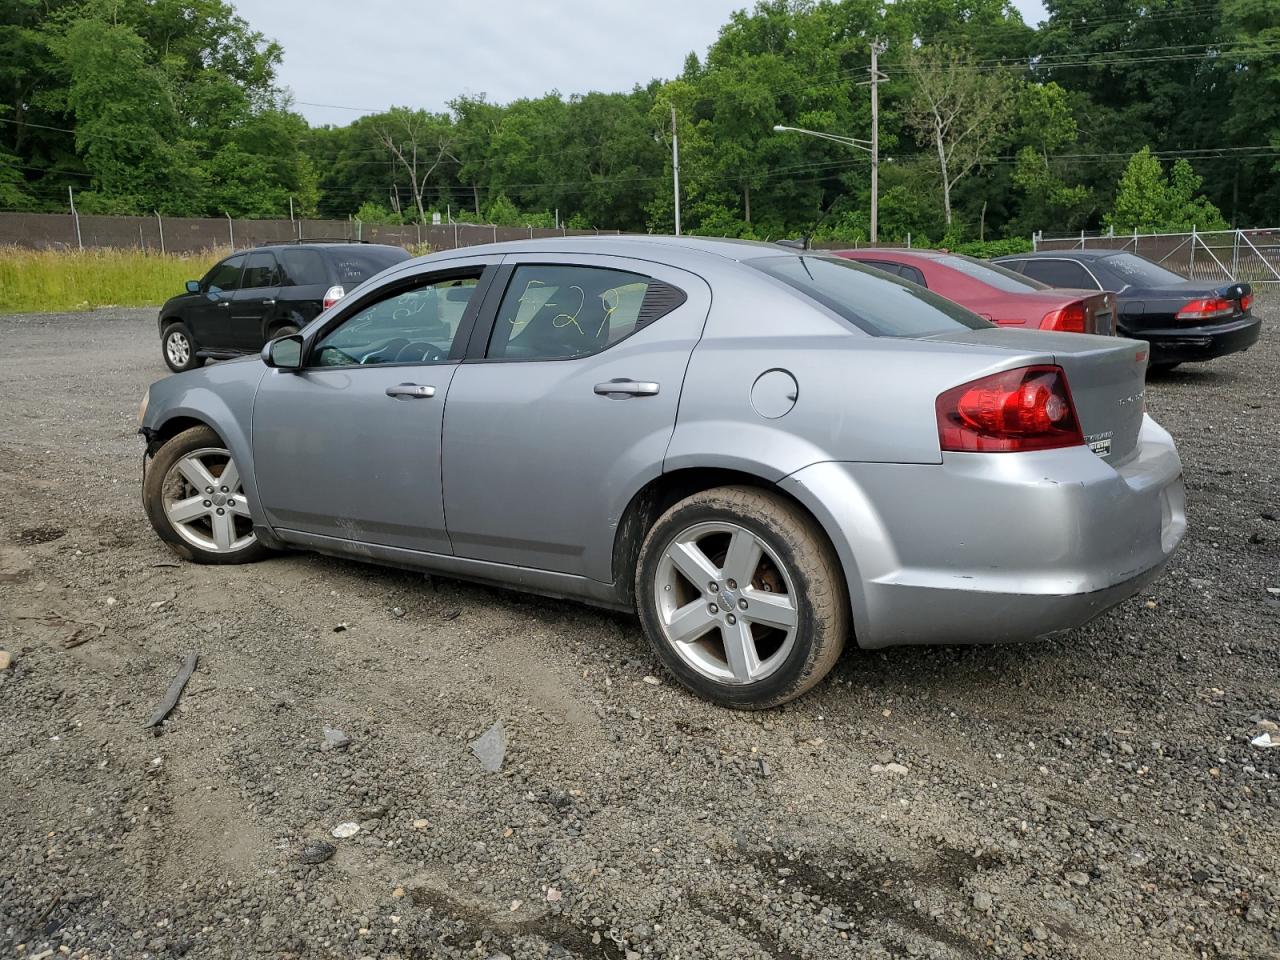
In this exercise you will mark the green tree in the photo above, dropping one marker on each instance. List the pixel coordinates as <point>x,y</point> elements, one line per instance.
<point>1149,202</point>
<point>961,110</point>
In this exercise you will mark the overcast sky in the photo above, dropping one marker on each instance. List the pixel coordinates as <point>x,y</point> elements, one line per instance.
<point>375,54</point>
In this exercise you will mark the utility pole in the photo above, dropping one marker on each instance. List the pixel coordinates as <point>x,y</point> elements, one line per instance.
<point>877,47</point>
<point>675,166</point>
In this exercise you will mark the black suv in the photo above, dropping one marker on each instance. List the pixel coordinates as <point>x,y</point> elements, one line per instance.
<point>256,295</point>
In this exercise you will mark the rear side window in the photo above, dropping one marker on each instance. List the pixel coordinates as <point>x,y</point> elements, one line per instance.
<point>260,271</point>
<point>556,312</point>
<point>884,265</point>
<point>225,276</point>
<point>882,306</point>
<point>302,268</point>
<point>908,272</point>
<point>1060,273</point>
<point>1138,270</point>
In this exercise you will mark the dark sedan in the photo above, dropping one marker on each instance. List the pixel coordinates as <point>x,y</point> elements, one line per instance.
<point>1182,319</point>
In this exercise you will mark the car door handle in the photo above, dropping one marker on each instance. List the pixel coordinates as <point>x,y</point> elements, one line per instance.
<point>413,391</point>
<point>629,388</point>
<point>269,303</point>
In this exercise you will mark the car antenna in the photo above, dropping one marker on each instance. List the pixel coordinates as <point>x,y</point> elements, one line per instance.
<point>806,242</point>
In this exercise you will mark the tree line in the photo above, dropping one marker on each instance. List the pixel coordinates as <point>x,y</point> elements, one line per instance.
<point>1122,114</point>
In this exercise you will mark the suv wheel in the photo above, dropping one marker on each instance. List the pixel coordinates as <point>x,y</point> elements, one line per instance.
<point>741,597</point>
<point>195,500</point>
<point>179,348</point>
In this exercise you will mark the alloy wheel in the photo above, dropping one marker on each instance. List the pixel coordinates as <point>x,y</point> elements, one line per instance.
<point>178,349</point>
<point>726,602</point>
<point>204,500</point>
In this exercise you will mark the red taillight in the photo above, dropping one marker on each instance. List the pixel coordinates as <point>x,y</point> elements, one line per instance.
<point>1025,409</point>
<point>1071,319</point>
<point>333,295</point>
<point>1207,309</point>
<point>1246,302</point>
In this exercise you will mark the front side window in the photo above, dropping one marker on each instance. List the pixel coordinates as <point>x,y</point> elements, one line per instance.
<point>260,271</point>
<point>225,277</point>
<point>879,304</point>
<point>418,325</point>
<point>557,312</point>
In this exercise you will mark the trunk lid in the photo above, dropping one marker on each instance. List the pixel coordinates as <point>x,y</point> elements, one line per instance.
<point>1106,376</point>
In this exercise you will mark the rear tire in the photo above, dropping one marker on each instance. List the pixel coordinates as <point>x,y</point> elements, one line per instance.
<point>179,348</point>
<point>288,330</point>
<point>194,498</point>
<point>768,614</point>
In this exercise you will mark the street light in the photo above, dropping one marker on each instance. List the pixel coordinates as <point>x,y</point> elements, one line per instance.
<point>870,146</point>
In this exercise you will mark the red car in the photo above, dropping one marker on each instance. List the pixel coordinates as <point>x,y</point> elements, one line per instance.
<point>994,292</point>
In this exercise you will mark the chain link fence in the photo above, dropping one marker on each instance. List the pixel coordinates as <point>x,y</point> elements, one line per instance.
<point>1217,255</point>
<point>194,234</point>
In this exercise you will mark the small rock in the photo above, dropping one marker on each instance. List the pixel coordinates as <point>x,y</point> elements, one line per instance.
<point>1270,726</point>
<point>1274,591</point>
<point>1265,741</point>
<point>491,747</point>
<point>6,659</point>
<point>896,769</point>
<point>516,905</point>
<point>398,892</point>
<point>1039,932</point>
<point>633,713</point>
<point>397,612</point>
<point>421,824</point>
<point>334,739</point>
<point>554,895</point>
<point>982,901</point>
<point>1078,878</point>
<point>340,628</point>
<point>317,851</point>
<point>1200,583</point>
<point>1255,913</point>
<point>762,767</point>
<point>344,830</point>
<point>652,681</point>
<point>452,615</point>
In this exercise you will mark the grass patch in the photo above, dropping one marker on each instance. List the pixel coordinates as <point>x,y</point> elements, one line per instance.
<point>52,280</point>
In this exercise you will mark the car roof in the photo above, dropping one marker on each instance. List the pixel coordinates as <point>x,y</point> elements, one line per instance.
<point>642,246</point>
<point>1062,254</point>
<point>908,252</point>
<point>321,245</point>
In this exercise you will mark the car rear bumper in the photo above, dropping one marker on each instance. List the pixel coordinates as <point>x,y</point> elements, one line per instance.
<point>1180,344</point>
<point>988,548</point>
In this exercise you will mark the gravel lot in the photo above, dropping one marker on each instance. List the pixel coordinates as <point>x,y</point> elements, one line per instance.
<point>1097,796</point>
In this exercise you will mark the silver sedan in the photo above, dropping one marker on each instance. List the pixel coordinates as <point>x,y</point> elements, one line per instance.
<point>765,452</point>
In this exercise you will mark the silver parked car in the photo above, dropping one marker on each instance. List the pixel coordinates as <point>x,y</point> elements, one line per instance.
<point>765,452</point>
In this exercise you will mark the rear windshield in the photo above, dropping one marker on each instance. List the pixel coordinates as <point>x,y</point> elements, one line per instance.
<point>357,264</point>
<point>1135,270</point>
<point>871,300</point>
<point>992,274</point>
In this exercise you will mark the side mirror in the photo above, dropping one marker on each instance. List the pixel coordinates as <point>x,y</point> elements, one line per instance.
<point>193,286</point>
<point>283,353</point>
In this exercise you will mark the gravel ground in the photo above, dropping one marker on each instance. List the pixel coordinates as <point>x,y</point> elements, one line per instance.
<point>1097,796</point>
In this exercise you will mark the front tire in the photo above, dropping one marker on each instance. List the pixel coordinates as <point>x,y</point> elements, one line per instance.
<point>179,348</point>
<point>195,500</point>
<point>741,597</point>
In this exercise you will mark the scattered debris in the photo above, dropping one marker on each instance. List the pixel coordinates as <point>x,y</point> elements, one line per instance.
<point>175,691</point>
<point>652,681</point>
<point>340,628</point>
<point>317,851</point>
<point>398,892</point>
<point>1274,591</point>
<point>1265,740</point>
<point>397,612</point>
<point>762,767</point>
<point>490,747</point>
<point>334,739</point>
<point>452,615</point>
<point>344,830</point>
<point>166,563</point>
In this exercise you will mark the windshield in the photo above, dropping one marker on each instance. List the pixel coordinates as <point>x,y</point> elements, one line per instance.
<point>992,274</point>
<point>1133,269</point>
<point>873,301</point>
<point>354,265</point>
